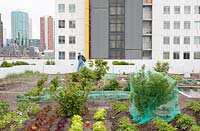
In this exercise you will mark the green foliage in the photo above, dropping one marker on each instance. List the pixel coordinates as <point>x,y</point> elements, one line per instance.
<point>99,126</point>
<point>54,84</point>
<point>195,106</point>
<point>162,67</point>
<point>185,121</point>
<point>41,82</point>
<point>6,64</point>
<point>176,76</point>
<point>77,123</point>
<point>32,92</point>
<point>27,106</point>
<point>100,114</point>
<point>147,89</point>
<point>195,128</point>
<point>126,125</point>
<point>4,105</point>
<point>26,74</point>
<point>162,125</point>
<point>50,62</point>
<point>112,85</point>
<point>17,63</point>
<point>120,106</point>
<point>70,100</point>
<point>121,63</point>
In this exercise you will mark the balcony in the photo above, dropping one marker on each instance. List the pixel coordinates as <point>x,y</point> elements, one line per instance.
<point>147,54</point>
<point>147,13</point>
<point>147,43</point>
<point>147,2</point>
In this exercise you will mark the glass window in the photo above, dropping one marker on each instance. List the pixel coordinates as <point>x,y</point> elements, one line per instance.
<point>72,55</point>
<point>197,25</point>
<point>186,55</point>
<point>176,24</point>
<point>72,40</point>
<point>166,10</point>
<point>197,40</point>
<point>72,8</point>
<point>116,10</point>
<point>186,40</point>
<point>186,24</point>
<point>61,39</point>
<point>61,24</point>
<point>116,27</point>
<point>61,8</point>
<point>166,55</point>
<point>197,9</point>
<point>61,55</point>
<point>187,10</point>
<point>72,24</point>
<point>166,24</point>
<point>166,40</point>
<point>176,55</point>
<point>177,9</point>
<point>176,40</point>
<point>196,55</point>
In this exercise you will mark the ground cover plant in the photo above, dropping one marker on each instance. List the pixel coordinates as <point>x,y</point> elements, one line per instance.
<point>26,74</point>
<point>100,114</point>
<point>122,63</point>
<point>185,121</point>
<point>120,106</point>
<point>99,126</point>
<point>126,125</point>
<point>195,106</point>
<point>162,125</point>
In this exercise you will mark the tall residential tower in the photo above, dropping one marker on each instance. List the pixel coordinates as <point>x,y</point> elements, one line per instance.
<point>1,32</point>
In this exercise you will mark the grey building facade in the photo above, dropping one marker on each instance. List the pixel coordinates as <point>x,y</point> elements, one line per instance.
<point>1,32</point>
<point>116,29</point>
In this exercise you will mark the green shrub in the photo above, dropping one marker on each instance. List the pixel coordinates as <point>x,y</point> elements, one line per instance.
<point>195,106</point>
<point>120,106</point>
<point>195,128</point>
<point>99,126</point>
<point>176,76</point>
<point>185,121</point>
<point>6,64</point>
<point>126,125</point>
<point>50,62</point>
<point>17,63</point>
<point>100,114</point>
<point>162,67</point>
<point>26,74</point>
<point>77,123</point>
<point>4,105</point>
<point>112,85</point>
<point>162,125</point>
<point>121,63</point>
<point>54,84</point>
<point>41,82</point>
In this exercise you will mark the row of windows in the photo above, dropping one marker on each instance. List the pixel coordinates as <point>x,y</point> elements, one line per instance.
<point>61,39</point>
<point>177,10</point>
<point>61,55</point>
<point>177,24</point>
<point>176,55</point>
<point>61,8</point>
<point>176,40</point>
<point>61,24</point>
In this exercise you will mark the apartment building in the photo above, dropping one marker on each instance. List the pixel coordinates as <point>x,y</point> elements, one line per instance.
<point>128,29</point>
<point>1,32</point>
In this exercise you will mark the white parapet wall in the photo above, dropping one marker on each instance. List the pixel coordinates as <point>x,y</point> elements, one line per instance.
<point>176,67</point>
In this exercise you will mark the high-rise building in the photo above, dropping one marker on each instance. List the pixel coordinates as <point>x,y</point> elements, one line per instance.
<point>1,32</point>
<point>20,27</point>
<point>4,37</point>
<point>46,33</point>
<point>127,29</point>
<point>30,28</point>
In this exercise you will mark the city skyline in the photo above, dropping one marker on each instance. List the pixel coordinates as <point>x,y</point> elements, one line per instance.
<point>32,7</point>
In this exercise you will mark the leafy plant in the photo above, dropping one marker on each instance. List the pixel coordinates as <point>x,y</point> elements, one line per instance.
<point>4,105</point>
<point>27,106</point>
<point>126,125</point>
<point>41,82</point>
<point>162,125</point>
<point>162,67</point>
<point>112,85</point>
<point>120,106</point>
<point>50,62</point>
<point>185,121</point>
<point>176,76</point>
<point>195,106</point>
<point>121,63</point>
<point>6,64</point>
<point>100,114</point>
<point>195,128</point>
<point>99,126</point>
<point>17,63</point>
<point>77,123</point>
<point>54,84</point>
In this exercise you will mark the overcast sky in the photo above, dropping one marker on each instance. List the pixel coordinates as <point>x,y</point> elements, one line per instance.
<point>35,9</point>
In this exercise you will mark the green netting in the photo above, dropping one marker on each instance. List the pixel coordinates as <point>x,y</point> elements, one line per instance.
<point>153,95</point>
<point>188,81</point>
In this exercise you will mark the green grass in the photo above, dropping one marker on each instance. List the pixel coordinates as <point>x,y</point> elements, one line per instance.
<point>26,74</point>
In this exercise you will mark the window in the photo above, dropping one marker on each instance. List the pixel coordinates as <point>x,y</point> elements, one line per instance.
<point>186,24</point>
<point>72,40</point>
<point>176,40</point>
<point>197,40</point>
<point>72,24</point>
<point>187,10</point>
<point>61,55</point>
<point>166,10</point>
<point>117,27</point>
<point>61,8</point>
<point>176,24</point>
<point>166,24</point>
<point>166,40</point>
<point>197,25</point>
<point>186,40</point>
<point>197,10</point>
<point>196,55</point>
<point>61,39</point>
<point>61,24</point>
<point>72,8</point>
<point>116,10</point>
<point>177,9</point>
<point>186,55</point>
<point>72,55</point>
<point>176,55</point>
<point>165,55</point>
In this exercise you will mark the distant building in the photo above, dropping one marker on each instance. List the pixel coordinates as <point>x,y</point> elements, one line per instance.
<point>4,37</point>
<point>20,27</point>
<point>46,33</point>
<point>1,32</point>
<point>30,28</point>
<point>34,42</point>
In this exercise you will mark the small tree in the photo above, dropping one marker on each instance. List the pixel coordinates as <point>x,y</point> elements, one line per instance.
<point>162,67</point>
